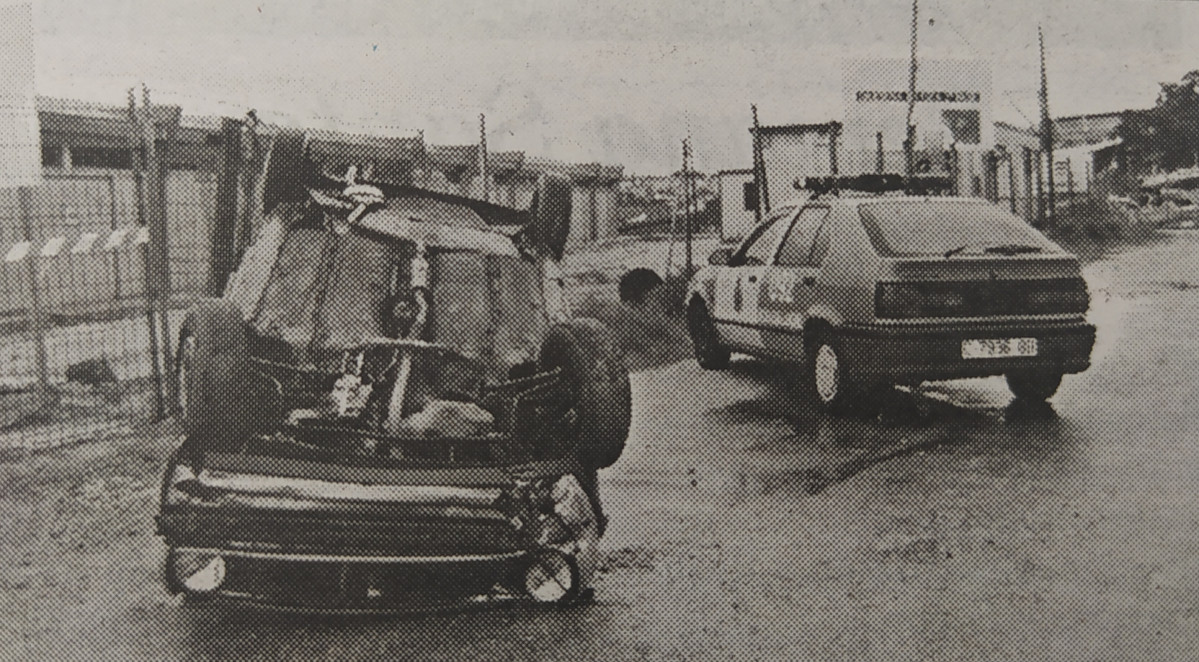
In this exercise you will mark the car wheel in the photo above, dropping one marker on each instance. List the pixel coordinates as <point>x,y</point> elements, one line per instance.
<point>597,383</point>
<point>709,354</point>
<point>212,373</point>
<point>1034,386</point>
<point>835,391</point>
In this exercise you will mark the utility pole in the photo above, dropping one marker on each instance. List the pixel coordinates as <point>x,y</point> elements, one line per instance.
<point>486,188</point>
<point>759,170</point>
<point>1046,132</point>
<point>909,142</point>
<point>687,200</point>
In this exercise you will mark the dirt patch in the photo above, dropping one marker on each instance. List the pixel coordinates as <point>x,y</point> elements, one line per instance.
<point>628,558</point>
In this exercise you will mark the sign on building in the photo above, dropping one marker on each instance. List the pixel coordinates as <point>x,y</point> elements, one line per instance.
<point>952,107</point>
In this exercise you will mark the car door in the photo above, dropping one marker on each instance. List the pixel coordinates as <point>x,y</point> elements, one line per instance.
<point>738,285</point>
<point>791,283</point>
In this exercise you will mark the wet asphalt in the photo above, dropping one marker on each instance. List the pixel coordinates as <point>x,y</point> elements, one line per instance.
<point>952,524</point>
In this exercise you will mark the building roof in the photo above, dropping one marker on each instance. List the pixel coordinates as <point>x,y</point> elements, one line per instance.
<point>1097,130</point>
<point>799,129</point>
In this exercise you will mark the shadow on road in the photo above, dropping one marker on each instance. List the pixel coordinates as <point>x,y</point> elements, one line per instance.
<point>971,416</point>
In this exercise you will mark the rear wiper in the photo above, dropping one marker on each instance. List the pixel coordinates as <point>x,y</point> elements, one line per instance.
<point>1001,249</point>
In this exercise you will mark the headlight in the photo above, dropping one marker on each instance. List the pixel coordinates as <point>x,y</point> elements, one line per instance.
<point>175,491</point>
<point>195,571</point>
<point>572,517</point>
<point>551,577</point>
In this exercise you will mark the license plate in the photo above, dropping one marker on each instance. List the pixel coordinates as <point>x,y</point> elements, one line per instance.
<point>993,348</point>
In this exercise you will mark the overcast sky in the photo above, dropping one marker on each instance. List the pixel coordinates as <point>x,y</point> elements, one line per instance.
<point>619,82</point>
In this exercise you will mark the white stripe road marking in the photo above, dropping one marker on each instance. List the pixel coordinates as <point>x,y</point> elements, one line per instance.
<point>116,239</point>
<point>53,246</point>
<point>86,240</point>
<point>18,251</point>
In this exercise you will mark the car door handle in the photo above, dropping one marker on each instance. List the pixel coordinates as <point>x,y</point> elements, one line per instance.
<point>809,280</point>
<point>753,279</point>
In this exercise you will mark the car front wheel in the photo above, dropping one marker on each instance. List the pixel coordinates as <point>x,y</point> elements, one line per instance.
<point>1033,386</point>
<point>709,353</point>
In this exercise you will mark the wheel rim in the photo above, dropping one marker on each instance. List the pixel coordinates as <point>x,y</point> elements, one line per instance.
<point>828,373</point>
<point>187,353</point>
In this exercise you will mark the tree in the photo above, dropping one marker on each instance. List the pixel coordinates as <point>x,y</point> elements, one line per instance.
<point>1165,137</point>
<point>1177,115</point>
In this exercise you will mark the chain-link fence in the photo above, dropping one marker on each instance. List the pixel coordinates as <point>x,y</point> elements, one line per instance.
<point>75,340</point>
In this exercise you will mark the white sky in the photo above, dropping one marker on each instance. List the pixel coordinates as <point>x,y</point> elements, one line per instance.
<point>619,82</point>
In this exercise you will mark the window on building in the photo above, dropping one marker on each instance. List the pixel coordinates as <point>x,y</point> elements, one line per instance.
<point>113,158</point>
<point>749,193</point>
<point>51,156</point>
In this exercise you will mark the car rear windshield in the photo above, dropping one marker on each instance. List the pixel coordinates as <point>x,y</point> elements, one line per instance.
<point>918,228</point>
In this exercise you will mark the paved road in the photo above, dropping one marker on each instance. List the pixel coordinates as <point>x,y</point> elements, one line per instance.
<point>745,526</point>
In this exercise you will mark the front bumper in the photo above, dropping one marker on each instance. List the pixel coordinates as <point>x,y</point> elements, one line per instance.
<point>931,352</point>
<point>332,582</point>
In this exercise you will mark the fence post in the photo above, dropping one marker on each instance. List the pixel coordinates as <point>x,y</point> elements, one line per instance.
<point>1040,191</point>
<point>879,165</point>
<point>222,241</point>
<point>114,223</point>
<point>1028,201</point>
<point>37,316</point>
<point>137,144</point>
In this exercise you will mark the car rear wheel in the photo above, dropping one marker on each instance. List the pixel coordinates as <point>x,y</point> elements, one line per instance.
<point>835,391</point>
<point>212,373</point>
<point>709,354</point>
<point>1033,386</point>
<point>597,383</point>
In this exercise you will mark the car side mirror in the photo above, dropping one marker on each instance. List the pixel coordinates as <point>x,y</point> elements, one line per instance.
<point>720,257</point>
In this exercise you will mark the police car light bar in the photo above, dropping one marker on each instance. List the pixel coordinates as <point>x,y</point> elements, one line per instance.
<point>877,183</point>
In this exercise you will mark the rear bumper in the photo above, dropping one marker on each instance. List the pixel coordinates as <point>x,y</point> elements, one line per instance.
<point>917,353</point>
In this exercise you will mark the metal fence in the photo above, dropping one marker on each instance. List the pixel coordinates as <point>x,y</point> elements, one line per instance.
<point>73,296</point>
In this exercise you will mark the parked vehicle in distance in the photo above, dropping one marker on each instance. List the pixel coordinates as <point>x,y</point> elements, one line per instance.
<point>391,408</point>
<point>871,291</point>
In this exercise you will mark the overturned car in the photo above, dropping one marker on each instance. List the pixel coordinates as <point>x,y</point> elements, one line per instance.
<point>391,408</point>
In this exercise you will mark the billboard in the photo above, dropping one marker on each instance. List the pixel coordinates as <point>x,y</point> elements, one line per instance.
<point>953,105</point>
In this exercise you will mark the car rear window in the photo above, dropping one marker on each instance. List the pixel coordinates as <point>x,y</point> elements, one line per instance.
<point>915,228</point>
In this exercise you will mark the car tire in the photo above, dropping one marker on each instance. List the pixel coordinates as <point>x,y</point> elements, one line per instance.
<point>597,384</point>
<point>1033,386</point>
<point>212,373</point>
<point>835,391</point>
<point>709,353</point>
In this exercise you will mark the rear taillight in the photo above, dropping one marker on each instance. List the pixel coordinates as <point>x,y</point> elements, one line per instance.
<point>897,300</point>
<point>1064,296</point>
<point>908,300</point>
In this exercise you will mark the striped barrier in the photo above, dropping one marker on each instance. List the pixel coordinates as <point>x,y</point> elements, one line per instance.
<point>85,244</point>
